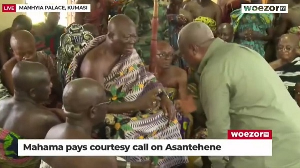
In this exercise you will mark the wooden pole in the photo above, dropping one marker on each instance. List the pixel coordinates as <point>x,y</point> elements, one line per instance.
<point>153,50</point>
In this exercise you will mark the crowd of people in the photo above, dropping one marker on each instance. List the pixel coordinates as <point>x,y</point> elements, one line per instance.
<point>215,69</point>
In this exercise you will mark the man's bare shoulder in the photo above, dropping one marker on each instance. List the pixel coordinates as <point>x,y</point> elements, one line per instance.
<point>179,72</point>
<point>9,65</point>
<point>44,117</point>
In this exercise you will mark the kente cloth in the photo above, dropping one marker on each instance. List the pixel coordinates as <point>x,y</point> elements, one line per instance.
<point>9,152</point>
<point>257,22</point>
<point>49,42</point>
<point>184,120</point>
<point>99,16</point>
<point>141,12</point>
<point>290,75</point>
<point>127,81</point>
<point>208,21</point>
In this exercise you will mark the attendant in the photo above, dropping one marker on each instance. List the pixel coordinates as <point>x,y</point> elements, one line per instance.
<point>92,29</point>
<point>21,22</point>
<point>176,21</point>
<point>228,6</point>
<point>98,15</point>
<point>225,32</point>
<point>253,30</point>
<point>23,46</point>
<point>205,11</point>
<point>141,12</point>
<point>133,90</point>
<point>85,105</point>
<point>47,34</point>
<point>174,80</point>
<point>288,64</point>
<point>287,21</point>
<point>264,104</point>
<point>22,116</point>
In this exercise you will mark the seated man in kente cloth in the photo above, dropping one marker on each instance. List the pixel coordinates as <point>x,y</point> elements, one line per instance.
<point>114,63</point>
<point>23,46</point>
<point>22,116</point>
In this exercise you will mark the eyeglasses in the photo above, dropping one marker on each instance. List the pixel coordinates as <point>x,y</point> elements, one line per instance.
<point>165,56</point>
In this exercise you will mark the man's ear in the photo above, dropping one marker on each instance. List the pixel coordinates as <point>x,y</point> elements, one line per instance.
<point>110,36</point>
<point>93,112</point>
<point>195,48</point>
<point>32,92</point>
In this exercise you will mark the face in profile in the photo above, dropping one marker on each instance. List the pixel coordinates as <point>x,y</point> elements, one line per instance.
<point>165,55</point>
<point>191,55</point>
<point>42,92</point>
<point>286,49</point>
<point>124,39</point>
<point>24,51</point>
<point>53,17</point>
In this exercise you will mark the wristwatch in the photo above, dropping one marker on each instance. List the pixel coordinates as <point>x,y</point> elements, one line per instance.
<point>128,165</point>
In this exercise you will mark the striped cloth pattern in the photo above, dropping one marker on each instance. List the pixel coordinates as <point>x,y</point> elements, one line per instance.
<point>290,75</point>
<point>128,73</point>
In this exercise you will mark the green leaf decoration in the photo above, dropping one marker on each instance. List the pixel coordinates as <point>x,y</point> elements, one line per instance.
<point>125,121</point>
<point>185,125</point>
<point>113,91</point>
<point>122,94</point>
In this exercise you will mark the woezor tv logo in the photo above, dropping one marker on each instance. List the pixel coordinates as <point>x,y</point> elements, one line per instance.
<point>249,134</point>
<point>264,8</point>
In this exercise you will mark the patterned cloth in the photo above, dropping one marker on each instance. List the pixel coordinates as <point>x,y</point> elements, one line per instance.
<point>9,152</point>
<point>71,43</point>
<point>176,22</point>
<point>290,75</point>
<point>208,21</point>
<point>141,12</point>
<point>258,22</point>
<point>49,42</point>
<point>3,91</point>
<point>184,121</point>
<point>127,81</point>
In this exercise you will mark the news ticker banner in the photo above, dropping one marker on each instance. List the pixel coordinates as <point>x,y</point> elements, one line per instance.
<point>239,143</point>
<point>45,8</point>
<point>264,8</point>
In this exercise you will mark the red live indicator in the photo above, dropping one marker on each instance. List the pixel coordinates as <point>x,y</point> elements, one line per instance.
<point>9,7</point>
<point>249,134</point>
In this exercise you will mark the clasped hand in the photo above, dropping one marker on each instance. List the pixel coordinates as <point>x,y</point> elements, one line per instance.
<point>151,100</point>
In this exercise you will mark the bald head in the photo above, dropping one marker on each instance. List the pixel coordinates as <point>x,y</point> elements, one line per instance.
<point>225,32</point>
<point>119,22</point>
<point>92,29</point>
<point>164,45</point>
<point>23,45</point>
<point>29,75</point>
<point>293,38</point>
<point>81,94</point>
<point>196,33</point>
<point>20,37</point>
<point>226,26</point>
